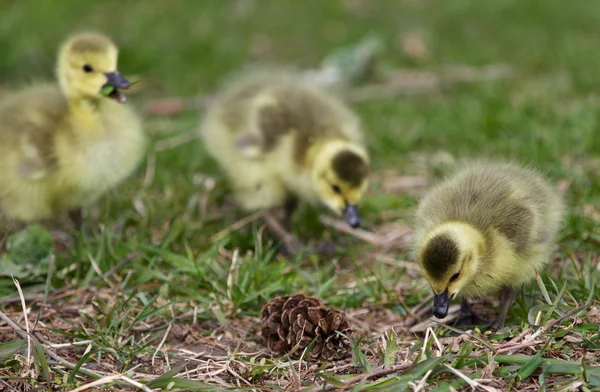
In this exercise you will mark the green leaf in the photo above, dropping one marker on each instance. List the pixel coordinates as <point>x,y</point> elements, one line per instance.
<point>530,366</point>
<point>78,365</point>
<point>106,90</point>
<point>41,361</point>
<point>9,349</point>
<point>533,312</point>
<point>358,357</point>
<point>391,348</point>
<point>336,382</point>
<point>168,380</point>
<point>181,263</point>
<point>30,245</point>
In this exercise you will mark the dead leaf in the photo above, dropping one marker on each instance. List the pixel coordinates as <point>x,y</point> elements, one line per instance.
<point>414,46</point>
<point>410,184</point>
<point>165,107</point>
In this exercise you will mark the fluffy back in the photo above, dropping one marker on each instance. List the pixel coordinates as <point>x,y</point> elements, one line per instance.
<point>517,202</point>
<point>275,104</point>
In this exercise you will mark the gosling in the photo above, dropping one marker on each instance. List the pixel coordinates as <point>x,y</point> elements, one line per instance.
<point>64,146</point>
<point>281,141</point>
<point>488,228</point>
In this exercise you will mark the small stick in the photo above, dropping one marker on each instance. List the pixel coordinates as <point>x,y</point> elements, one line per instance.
<point>113,378</point>
<point>362,234</point>
<point>16,282</point>
<point>421,385</point>
<point>557,321</point>
<point>292,245</point>
<point>120,264</point>
<point>237,225</point>
<point>517,346</point>
<point>150,171</point>
<point>51,354</point>
<point>176,141</point>
<point>377,373</point>
<point>472,383</point>
<point>161,342</point>
<point>230,282</point>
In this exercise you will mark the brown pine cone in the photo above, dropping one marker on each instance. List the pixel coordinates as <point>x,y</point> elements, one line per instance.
<point>293,322</point>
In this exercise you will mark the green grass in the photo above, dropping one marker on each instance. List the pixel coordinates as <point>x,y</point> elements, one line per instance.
<point>146,269</point>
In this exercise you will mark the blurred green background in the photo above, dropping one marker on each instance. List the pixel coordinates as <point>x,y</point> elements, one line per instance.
<point>547,114</point>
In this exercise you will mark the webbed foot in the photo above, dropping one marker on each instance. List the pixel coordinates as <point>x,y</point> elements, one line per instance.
<point>467,317</point>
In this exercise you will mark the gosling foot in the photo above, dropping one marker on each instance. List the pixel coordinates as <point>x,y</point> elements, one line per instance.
<point>324,248</point>
<point>468,317</point>
<point>507,297</point>
<point>76,216</point>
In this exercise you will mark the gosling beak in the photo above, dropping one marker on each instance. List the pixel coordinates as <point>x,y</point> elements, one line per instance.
<point>441,303</point>
<point>350,213</point>
<point>114,82</point>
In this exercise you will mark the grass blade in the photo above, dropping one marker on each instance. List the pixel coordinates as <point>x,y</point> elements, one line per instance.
<point>9,349</point>
<point>530,366</point>
<point>41,361</point>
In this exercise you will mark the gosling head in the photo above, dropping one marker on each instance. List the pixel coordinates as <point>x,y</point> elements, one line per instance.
<point>450,260</point>
<point>87,68</point>
<point>340,175</point>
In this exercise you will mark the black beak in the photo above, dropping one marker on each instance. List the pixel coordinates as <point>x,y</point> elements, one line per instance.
<point>350,213</point>
<point>115,80</point>
<point>441,303</point>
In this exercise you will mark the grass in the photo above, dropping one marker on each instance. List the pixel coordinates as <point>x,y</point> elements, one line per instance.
<point>146,297</point>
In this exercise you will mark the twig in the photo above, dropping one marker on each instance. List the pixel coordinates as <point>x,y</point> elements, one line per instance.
<point>110,379</point>
<point>472,383</point>
<point>291,243</point>
<point>362,234</point>
<point>120,264</point>
<point>63,345</point>
<point>37,297</point>
<point>415,83</point>
<point>237,225</point>
<point>377,373</point>
<point>232,268</point>
<point>517,346</point>
<point>51,354</point>
<point>150,170</point>
<point>98,271</point>
<point>7,385</point>
<point>176,141</point>
<point>24,306</point>
<point>559,320</point>
<point>161,342</point>
<point>421,385</point>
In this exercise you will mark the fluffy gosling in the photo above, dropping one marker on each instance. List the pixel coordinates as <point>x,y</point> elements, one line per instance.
<point>489,227</point>
<point>281,141</point>
<point>63,146</point>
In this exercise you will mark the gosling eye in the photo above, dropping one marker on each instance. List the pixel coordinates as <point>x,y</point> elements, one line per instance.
<point>336,188</point>
<point>454,277</point>
<point>87,68</point>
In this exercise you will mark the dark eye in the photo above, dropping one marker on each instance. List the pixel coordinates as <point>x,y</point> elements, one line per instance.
<point>336,188</point>
<point>87,68</point>
<point>454,277</point>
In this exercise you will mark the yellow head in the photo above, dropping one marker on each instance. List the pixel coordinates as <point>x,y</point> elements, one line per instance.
<point>87,68</point>
<point>449,258</point>
<point>339,172</point>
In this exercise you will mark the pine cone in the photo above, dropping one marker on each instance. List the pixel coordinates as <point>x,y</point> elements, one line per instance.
<point>295,321</point>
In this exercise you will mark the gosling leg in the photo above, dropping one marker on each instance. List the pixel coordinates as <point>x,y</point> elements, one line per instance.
<point>291,245</point>
<point>289,207</point>
<point>467,315</point>
<point>76,216</point>
<point>507,298</point>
